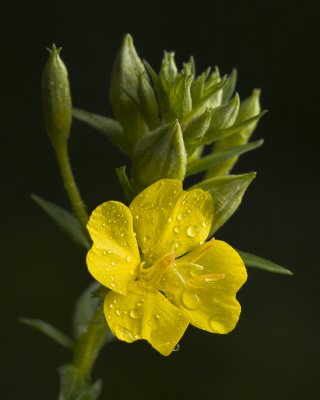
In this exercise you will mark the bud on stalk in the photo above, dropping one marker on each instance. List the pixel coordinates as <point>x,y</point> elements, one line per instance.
<point>56,99</point>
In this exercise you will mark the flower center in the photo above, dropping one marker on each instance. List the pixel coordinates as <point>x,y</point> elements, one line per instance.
<point>150,275</point>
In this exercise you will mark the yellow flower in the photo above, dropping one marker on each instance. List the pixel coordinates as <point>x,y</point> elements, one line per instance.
<point>161,273</point>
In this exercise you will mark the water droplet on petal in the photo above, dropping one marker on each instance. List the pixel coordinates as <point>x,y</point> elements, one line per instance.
<point>113,285</point>
<point>180,217</point>
<point>158,316</point>
<point>176,347</point>
<point>135,313</point>
<point>190,300</point>
<point>204,224</point>
<point>192,231</point>
<point>129,259</point>
<point>176,229</point>
<point>110,305</point>
<point>113,263</point>
<point>118,312</point>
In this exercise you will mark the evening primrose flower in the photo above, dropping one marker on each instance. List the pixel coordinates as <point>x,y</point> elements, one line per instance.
<point>161,272</point>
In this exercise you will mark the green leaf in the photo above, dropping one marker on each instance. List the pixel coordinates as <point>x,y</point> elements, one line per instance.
<point>125,183</point>
<point>108,126</point>
<point>85,308</point>
<point>50,331</point>
<point>227,193</point>
<point>215,159</point>
<point>214,135</point>
<point>65,220</point>
<point>251,260</point>
<point>76,386</point>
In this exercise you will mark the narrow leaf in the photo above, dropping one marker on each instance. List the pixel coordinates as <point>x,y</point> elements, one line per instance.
<point>215,159</point>
<point>85,308</point>
<point>75,385</point>
<point>251,260</point>
<point>108,126</point>
<point>49,330</point>
<point>227,193</point>
<point>65,220</point>
<point>214,135</point>
<point>125,183</point>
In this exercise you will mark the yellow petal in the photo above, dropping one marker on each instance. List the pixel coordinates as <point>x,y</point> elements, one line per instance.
<point>145,315</point>
<point>206,291</point>
<point>168,219</point>
<point>114,256</point>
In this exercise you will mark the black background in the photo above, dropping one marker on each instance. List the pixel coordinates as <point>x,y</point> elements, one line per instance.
<point>274,351</point>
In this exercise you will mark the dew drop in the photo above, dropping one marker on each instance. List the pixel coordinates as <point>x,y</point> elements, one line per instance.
<point>110,305</point>
<point>134,313</point>
<point>176,347</point>
<point>113,285</point>
<point>180,217</point>
<point>176,229</point>
<point>204,224</point>
<point>192,231</point>
<point>118,312</point>
<point>129,259</point>
<point>158,316</point>
<point>177,244</point>
<point>137,217</point>
<point>113,263</point>
<point>190,300</point>
<point>169,219</point>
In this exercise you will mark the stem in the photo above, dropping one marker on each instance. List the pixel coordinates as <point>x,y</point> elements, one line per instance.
<point>71,186</point>
<point>90,343</point>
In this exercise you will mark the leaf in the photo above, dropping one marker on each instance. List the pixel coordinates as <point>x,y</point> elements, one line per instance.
<point>65,220</point>
<point>253,261</point>
<point>76,386</point>
<point>50,331</point>
<point>215,159</point>
<point>227,193</point>
<point>108,126</point>
<point>214,135</point>
<point>125,183</point>
<point>85,307</point>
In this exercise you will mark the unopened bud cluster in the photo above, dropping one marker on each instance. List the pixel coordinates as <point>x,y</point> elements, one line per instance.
<point>168,117</point>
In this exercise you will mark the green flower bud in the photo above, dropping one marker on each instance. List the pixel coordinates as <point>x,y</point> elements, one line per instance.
<point>56,98</point>
<point>124,96</point>
<point>248,109</point>
<point>195,131</point>
<point>148,104</point>
<point>160,154</point>
<point>224,116</point>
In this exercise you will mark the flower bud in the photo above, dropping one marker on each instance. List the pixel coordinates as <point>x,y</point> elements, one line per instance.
<point>160,154</point>
<point>248,109</point>
<point>56,98</point>
<point>124,96</point>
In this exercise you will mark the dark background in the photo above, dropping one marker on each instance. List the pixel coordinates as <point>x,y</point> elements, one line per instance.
<point>274,351</point>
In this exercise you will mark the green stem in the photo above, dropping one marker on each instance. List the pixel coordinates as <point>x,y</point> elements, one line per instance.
<point>71,186</point>
<point>90,343</point>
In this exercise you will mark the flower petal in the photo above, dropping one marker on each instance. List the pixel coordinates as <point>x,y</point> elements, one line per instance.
<point>206,291</point>
<point>168,219</point>
<point>145,315</point>
<point>114,256</point>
